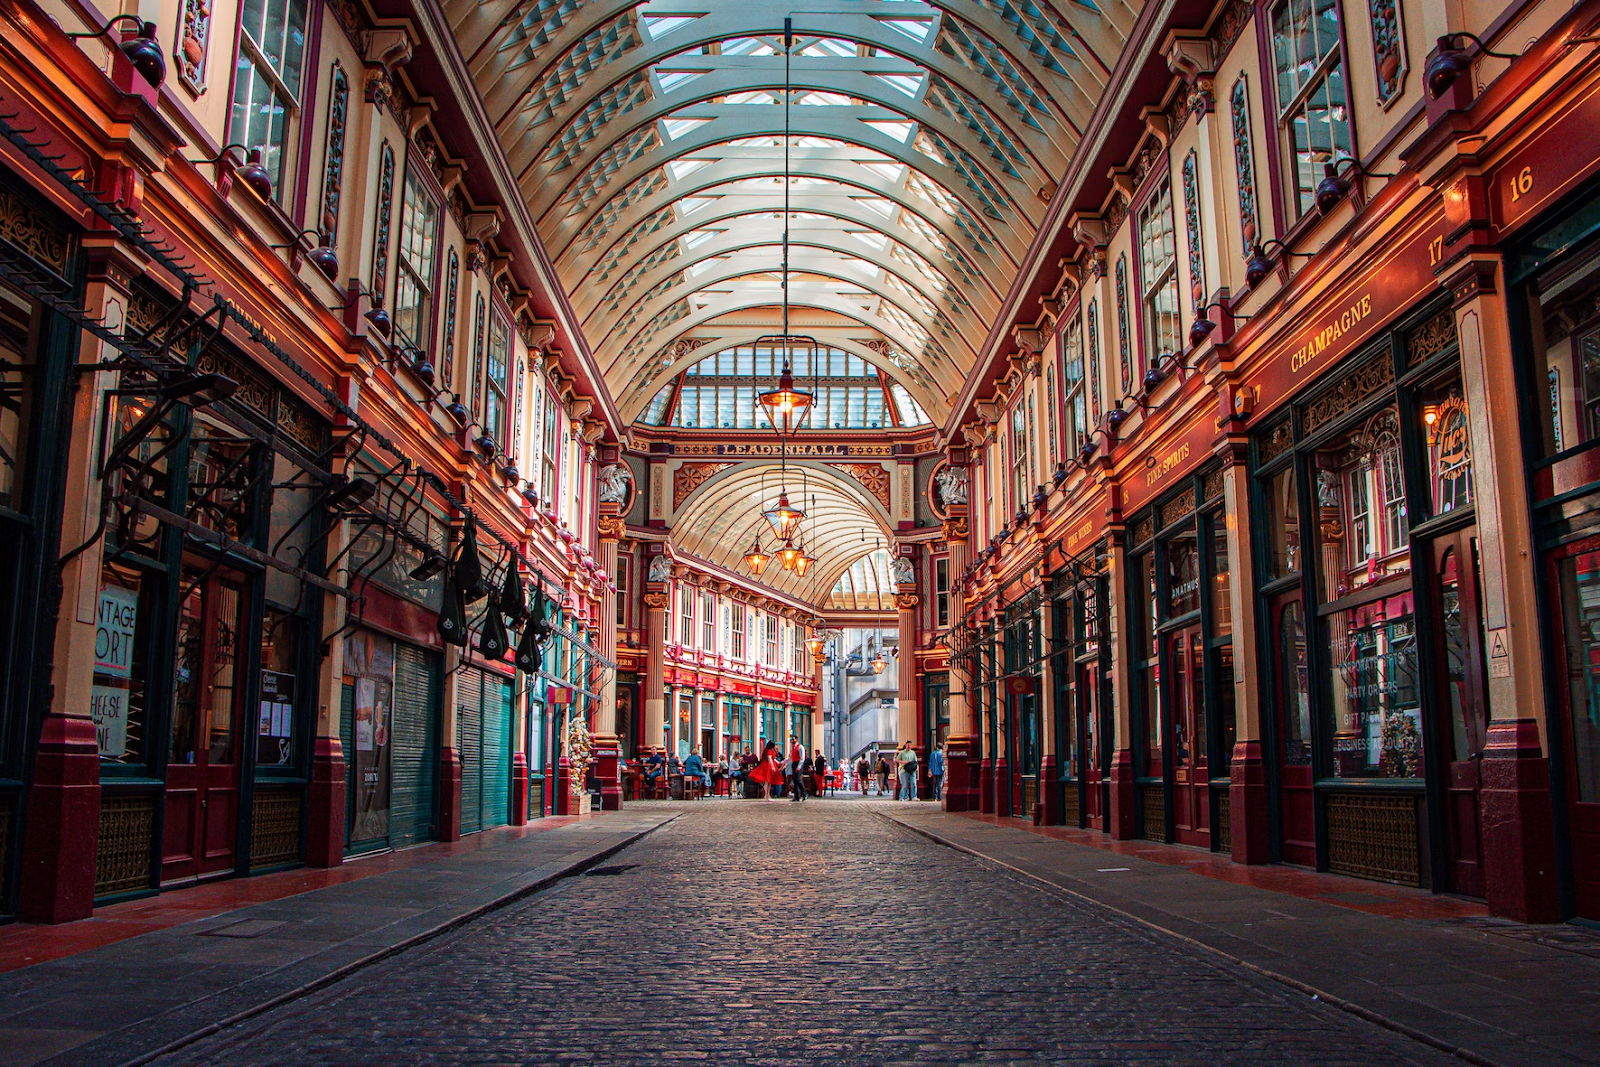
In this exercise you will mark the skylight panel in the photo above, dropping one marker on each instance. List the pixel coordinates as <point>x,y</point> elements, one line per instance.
<point>909,84</point>
<point>909,411</point>
<point>688,205</point>
<point>682,168</point>
<point>916,29</point>
<point>658,26</point>
<point>747,46</point>
<point>824,99</point>
<point>892,171</point>
<point>899,131</point>
<point>872,238</point>
<point>676,128</point>
<point>830,48</point>
<point>752,96</point>
<point>674,79</point>
<point>694,238</point>
<point>882,206</point>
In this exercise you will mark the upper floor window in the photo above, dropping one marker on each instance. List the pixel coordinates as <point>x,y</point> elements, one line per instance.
<point>772,640</point>
<point>1019,456</point>
<point>708,622</point>
<point>1076,414</point>
<point>266,82</point>
<point>497,378</point>
<point>414,272</point>
<point>941,592</point>
<point>550,434</point>
<point>686,607</point>
<point>738,631</point>
<point>1311,93</point>
<point>621,578</point>
<point>1158,275</point>
<point>719,392</point>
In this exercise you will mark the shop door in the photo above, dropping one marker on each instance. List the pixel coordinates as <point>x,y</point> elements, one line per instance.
<point>1296,811</point>
<point>1577,579</point>
<point>1464,705</point>
<point>414,757</point>
<point>1191,801</point>
<point>202,803</point>
<point>1088,705</point>
<point>469,722</point>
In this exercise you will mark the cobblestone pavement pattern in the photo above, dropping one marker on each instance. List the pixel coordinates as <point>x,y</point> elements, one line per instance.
<point>755,933</point>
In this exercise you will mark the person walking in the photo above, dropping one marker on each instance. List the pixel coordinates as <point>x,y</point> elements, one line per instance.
<point>767,773</point>
<point>819,772</point>
<point>906,758</point>
<point>936,773</point>
<point>797,770</point>
<point>883,775</point>
<point>863,773</point>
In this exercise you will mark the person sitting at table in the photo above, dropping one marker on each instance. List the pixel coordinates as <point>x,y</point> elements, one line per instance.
<point>747,763</point>
<point>695,767</point>
<point>819,772</point>
<point>655,765</point>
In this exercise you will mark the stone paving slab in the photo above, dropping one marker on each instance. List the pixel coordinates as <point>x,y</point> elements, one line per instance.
<point>1500,991</point>
<point>122,1001</point>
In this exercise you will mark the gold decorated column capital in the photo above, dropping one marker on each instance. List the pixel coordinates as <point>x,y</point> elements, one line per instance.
<point>657,601</point>
<point>955,528</point>
<point>612,527</point>
<point>906,601</point>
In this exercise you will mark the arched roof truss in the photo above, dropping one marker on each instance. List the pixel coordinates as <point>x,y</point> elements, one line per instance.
<point>925,138</point>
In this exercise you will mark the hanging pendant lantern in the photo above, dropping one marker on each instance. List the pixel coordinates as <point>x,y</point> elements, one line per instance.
<point>784,517</point>
<point>879,663</point>
<point>788,555</point>
<point>785,406</point>
<point>803,564</point>
<point>756,559</point>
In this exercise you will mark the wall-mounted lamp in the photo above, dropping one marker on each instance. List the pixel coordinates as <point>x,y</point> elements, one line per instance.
<point>1259,265</point>
<point>1334,186</point>
<point>321,257</point>
<point>142,49</point>
<point>1451,61</point>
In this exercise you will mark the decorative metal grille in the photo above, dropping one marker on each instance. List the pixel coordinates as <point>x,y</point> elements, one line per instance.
<point>1432,337</point>
<point>1069,806</point>
<point>1213,484</point>
<point>1374,837</point>
<point>1030,797</point>
<point>1155,813</point>
<point>1143,530</point>
<point>122,850</point>
<point>1178,507</point>
<point>275,827</point>
<point>1354,388</point>
<point>1277,441</point>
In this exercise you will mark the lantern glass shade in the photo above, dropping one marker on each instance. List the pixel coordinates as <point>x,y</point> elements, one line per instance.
<point>814,646</point>
<point>804,563</point>
<point>879,663</point>
<point>756,559</point>
<point>784,517</point>
<point>788,555</point>
<point>785,407</point>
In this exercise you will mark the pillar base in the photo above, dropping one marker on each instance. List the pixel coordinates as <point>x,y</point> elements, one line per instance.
<point>1247,805</point>
<point>519,789</point>
<point>449,795</point>
<point>986,787</point>
<point>1049,809</point>
<point>960,771</point>
<point>63,824</point>
<point>1002,788</point>
<point>607,761</point>
<point>326,820</point>
<point>564,797</point>
<point>1124,820</point>
<point>1516,813</point>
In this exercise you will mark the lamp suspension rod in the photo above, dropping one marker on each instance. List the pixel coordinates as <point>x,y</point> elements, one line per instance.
<point>788,48</point>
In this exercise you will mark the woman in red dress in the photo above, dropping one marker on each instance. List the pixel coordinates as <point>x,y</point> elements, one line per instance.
<point>768,773</point>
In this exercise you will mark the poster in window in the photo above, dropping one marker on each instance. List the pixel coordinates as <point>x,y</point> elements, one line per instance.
<point>275,728</point>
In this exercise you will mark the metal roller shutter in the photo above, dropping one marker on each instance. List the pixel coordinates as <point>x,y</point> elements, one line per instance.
<point>496,751</point>
<point>469,716</point>
<point>414,753</point>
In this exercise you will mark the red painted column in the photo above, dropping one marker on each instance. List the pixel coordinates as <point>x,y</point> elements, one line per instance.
<point>1124,821</point>
<point>519,789</point>
<point>325,819</point>
<point>1250,836</point>
<point>449,755</point>
<point>1049,812</point>
<point>63,820</point>
<point>1247,804</point>
<point>1518,824</point>
<point>961,753</point>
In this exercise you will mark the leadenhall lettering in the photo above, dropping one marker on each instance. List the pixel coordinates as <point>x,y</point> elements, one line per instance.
<point>1331,333</point>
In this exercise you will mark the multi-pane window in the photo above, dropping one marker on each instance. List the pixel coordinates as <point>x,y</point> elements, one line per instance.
<point>941,592</point>
<point>1311,93</point>
<point>550,435</point>
<point>1158,275</point>
<point>708,622</point>
<point>1019,457</point>
<point>414,281</point>
<point>621,578</point>
<point>719,392</point>
<point>497,370</point>
<point>686,610</point>
<point>738,631</point>
<point>772,640</point>
<point>1073,402</point>
<point>266,81</point>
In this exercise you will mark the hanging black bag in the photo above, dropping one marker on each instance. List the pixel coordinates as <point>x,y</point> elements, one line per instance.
<point>452,614</point>
<point>469,568</point>
<point>513,605</point>
<point>530,657</point>
<point>492,639</point>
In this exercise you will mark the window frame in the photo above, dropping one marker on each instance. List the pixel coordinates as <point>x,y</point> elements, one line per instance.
<point>708,620</point>
<point>1152,341</point>
<point>1286,186</point>
<point>428,315</point>
<point>501,395</point>
<point>246,47</point>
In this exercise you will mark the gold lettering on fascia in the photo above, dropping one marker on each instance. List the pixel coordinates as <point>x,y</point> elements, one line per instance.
<point>1076,536</point>
<point>818,451</point>
<point>1322,339</point>
<point>1167,464</point>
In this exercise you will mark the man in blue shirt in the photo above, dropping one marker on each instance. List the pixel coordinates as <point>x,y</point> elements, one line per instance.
<point>936,772</point>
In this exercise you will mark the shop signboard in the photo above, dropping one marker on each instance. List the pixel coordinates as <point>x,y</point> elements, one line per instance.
<point>1169,460</point>
<point>276,726</point>
<point>1554,160</point>
<point>113,632</point>
<point>108,707</point>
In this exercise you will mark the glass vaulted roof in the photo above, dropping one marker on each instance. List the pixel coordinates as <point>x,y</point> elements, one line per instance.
<point>924,141</point>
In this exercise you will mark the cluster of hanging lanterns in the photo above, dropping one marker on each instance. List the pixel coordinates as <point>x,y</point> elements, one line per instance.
<point>786,407</point>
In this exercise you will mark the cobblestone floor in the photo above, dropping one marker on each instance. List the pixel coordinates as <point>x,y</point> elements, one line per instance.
<point>756,933</point>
